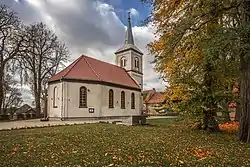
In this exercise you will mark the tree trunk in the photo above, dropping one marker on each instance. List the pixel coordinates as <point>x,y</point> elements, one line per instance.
<point>209,112</point>
<point>1,89</point>
<point>244,132</point>
<point>37,94</point>
<point>38,106</point>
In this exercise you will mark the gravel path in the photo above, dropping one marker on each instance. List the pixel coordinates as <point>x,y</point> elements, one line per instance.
<point>38,123</point>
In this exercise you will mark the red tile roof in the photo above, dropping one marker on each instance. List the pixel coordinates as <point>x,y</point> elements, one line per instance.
<point>153,97</point>
<point>90,69</point>
<point>158,97</point>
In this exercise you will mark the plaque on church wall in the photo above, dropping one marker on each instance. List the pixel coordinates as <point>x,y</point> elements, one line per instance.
<point>91,110</point>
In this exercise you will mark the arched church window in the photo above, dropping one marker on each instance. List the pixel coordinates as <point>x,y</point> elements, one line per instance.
<point>83,97</point>
<point>136,63</point>
<point>54,97</point>
<point>111,98</point>
<point>122,100</point>
<point>123,62</point>
<point>132,101</point>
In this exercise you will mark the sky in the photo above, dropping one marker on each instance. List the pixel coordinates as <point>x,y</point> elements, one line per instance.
<point>95,28</point>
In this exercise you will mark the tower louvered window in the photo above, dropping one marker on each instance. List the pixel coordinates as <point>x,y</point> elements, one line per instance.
<point>136,63</point>
<point>123,62</point>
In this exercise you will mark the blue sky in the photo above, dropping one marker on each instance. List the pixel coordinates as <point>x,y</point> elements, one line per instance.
<point>95,28</point>
<point>124,5</point>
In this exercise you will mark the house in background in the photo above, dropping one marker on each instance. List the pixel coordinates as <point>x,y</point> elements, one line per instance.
<point>24,112</point>
<point>153,102</point>
<point>90,89</point>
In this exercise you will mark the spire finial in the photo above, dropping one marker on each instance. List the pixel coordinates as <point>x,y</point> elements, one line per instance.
<point>129,39</point>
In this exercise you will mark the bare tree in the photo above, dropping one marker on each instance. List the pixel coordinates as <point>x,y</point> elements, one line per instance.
<point>12,96</point>
<point>10,42</point>
<point>43,54</point>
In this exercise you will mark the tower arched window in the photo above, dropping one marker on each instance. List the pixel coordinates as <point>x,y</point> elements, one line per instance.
<point>132,101</point>
<point>111,98</point>
<point>123,62</point>
<point>122,100</point>
<point>55,97</point>
<point>137,63</point>
<point>83,97</point>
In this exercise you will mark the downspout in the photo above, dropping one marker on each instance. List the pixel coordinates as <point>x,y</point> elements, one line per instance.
<point>62,117</point>
<point>67,99</point>
<point>101,105</point>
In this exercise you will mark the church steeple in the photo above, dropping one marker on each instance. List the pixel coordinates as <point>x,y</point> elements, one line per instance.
<point>129,39</point>
<point>130,57</point>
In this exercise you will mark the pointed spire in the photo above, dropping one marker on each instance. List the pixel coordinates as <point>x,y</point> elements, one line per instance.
<point>129,39</point>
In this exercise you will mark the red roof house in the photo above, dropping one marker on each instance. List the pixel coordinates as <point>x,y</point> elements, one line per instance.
<point>153,97</point>
<point>153,102</point>
<point>89,69</point>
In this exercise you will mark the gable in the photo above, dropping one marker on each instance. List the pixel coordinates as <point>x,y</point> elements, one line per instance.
<point>153,97</point>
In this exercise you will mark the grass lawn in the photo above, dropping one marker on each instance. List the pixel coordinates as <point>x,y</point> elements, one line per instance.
<point>166,144</point>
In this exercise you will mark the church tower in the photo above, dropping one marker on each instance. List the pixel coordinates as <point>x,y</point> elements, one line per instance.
<point>129,56</point>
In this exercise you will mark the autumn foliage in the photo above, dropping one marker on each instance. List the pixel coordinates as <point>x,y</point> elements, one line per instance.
<point>200,153</point>
<point>229,127</point>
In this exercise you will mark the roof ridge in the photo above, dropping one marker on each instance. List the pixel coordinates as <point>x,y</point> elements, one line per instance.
<point>92,68</point>
<point>73,65</point>
<point>104,61</point>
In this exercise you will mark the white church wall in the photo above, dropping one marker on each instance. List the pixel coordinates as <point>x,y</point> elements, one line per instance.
<point>98,99</point>
<point>55,110</point>
<point>72,100</point>
<point>117,111</point>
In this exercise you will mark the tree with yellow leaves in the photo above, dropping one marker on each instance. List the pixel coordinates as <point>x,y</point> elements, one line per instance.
<point>194,53</point>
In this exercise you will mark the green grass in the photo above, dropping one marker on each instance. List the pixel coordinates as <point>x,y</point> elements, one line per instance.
<point>168,143</point>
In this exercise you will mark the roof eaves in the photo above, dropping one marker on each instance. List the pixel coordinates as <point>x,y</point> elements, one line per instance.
<point>123,49</point>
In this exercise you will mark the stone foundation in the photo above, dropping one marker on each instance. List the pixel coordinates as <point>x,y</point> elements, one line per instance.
<point>126,120</point>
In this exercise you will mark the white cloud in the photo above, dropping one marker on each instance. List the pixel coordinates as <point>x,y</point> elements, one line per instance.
<point>89,27</point>
<point>133,12</point>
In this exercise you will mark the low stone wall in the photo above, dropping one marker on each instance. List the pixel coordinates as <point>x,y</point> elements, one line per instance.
<point>5,117</point>
<point>15,116</point>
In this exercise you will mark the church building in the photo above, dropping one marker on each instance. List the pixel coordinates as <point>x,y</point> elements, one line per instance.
<point>90,89</point>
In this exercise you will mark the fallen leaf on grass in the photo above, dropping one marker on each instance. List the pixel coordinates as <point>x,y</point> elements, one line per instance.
<point>130,158</point>
<point>181,162</point>
<point>15,148</point>
<point>200,153</point>
<point>10,154</point>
